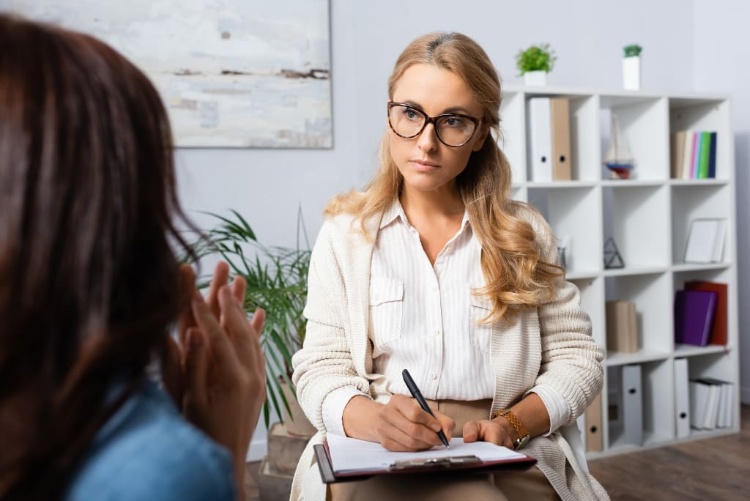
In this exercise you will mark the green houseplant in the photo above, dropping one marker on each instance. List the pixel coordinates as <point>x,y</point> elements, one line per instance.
<point>277,282</point>
<point>539,57</point>
<point>632,50</point>
<point>631,67</point>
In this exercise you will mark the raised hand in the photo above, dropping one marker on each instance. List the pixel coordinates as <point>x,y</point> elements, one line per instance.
<point>223,364</point>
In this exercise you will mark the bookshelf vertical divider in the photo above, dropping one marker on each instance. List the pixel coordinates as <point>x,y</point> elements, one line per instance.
<point>648,217</point>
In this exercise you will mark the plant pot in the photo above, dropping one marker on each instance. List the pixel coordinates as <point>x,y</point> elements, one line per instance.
<point>535,78</point>
<point>631,73</point>
<point>295,421</point>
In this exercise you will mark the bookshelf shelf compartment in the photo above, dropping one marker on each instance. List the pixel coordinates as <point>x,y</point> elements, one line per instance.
<point>571,213</point>
<point>687,350</point>
<point>689,204</point>
<point>634,271</point>
<point>648,216</point>
<point>633,217</point>
<point>615,359</point>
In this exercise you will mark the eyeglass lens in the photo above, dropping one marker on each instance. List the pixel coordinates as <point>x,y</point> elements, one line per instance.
<point>408,122</point>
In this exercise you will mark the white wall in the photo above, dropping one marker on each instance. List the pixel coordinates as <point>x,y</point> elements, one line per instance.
<point>268,186</point>
<point>721,64</point>
<point>366,38</point>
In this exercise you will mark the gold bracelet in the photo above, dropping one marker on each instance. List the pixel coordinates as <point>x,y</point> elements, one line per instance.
<point>523,433</point>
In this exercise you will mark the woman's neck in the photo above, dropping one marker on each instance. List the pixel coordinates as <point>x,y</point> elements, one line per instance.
<point>436,217</point>
<point>434,204</point>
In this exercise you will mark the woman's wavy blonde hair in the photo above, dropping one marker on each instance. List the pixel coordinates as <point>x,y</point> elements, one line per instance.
<point>516,276</point>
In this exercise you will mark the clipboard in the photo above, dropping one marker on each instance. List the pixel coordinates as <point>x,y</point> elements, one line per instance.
<point>451,464</point>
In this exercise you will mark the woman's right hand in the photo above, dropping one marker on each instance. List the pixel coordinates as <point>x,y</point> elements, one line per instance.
<point>399,425</point>
<point>224,367</point>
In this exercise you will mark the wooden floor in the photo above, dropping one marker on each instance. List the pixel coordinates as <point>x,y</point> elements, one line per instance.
<point>712,469</point>
<point>251,482</point>
<point>716,469</point>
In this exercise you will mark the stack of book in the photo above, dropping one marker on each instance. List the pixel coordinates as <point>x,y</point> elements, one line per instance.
<point>622,326</point>
<point>693,154</point>
<point>700,314</point>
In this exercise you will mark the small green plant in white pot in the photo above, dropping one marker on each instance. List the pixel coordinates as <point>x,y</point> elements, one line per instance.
<point>631,67</point>
<point>535,62</point>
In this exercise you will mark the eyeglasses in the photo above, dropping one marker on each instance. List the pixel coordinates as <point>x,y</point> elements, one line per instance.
<point>452,129</point>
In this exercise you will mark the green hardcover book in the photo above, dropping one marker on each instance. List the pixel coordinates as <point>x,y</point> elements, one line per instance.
<point>705,140</point>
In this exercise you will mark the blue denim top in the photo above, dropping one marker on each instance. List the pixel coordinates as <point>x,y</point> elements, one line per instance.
<point>146,450</point>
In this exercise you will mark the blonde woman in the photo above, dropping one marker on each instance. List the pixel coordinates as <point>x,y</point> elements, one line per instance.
<point>434,269</point>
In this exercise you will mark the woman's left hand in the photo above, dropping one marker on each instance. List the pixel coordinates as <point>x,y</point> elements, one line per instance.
<point>489,431</point>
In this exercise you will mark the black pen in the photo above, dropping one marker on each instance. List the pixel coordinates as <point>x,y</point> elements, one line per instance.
<point>418,395</point>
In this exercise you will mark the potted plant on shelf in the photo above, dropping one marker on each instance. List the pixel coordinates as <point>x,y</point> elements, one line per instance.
<point>535,62</point>
<point>631,67</point>
<point>277,282</point>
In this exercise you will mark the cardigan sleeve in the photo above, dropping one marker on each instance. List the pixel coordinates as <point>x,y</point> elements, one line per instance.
<point>325,362</point>
<point>571,362</point>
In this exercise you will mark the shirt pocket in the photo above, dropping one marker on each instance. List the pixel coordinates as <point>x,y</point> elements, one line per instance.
<point>386,309</point>
<point>480,333</point>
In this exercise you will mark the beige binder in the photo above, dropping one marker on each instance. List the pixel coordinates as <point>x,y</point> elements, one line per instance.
<point>594,431</point>
<point>560,122</point>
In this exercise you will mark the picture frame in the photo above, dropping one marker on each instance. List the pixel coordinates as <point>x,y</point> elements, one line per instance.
<point>705,241</point>
<point>231,74</point>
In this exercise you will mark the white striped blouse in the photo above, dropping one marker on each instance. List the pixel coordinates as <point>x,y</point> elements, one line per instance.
<point>424,318</point>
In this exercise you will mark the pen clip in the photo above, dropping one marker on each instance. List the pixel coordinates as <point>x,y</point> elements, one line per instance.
<point>445,462</point>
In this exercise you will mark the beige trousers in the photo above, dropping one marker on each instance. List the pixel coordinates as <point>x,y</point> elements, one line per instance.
<point>509,486</point>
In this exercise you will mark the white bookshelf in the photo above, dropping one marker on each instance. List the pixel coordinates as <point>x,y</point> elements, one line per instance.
<point>649,217</point>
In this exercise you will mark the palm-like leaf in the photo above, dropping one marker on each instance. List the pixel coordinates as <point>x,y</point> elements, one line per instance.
<point>277,282</point>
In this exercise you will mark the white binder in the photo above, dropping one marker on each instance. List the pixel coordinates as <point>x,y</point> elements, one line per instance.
<point>712,407</point>
<point>728,405</point>
<point>540,139</point>
<point>716,405</point>
<point>681,398</point>
<point>632,404</point>
<point>721,418</point>
<point>698,403</point>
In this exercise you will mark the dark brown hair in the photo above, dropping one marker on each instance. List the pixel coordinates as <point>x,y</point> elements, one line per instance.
<point>89,280</point>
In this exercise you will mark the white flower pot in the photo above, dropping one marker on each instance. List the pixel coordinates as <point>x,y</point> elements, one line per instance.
<point>535,78</point>
<point>631,73</point>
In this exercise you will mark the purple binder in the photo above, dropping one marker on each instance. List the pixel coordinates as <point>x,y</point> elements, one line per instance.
<point>694,316</point>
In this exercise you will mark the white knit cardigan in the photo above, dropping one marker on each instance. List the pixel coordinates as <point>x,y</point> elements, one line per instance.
<point>549,345</point>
